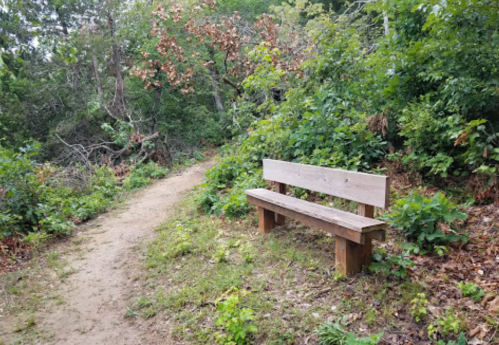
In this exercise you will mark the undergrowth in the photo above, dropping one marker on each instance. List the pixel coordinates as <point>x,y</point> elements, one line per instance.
<point>38,201</point>
<point>285,285</point>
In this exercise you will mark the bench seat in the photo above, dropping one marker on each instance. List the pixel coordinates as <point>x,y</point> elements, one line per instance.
<point>338,222</point>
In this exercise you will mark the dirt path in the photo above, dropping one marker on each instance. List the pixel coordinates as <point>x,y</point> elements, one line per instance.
<point>96,294</point>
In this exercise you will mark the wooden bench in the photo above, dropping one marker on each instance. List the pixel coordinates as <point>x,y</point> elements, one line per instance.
<point>353,232</point>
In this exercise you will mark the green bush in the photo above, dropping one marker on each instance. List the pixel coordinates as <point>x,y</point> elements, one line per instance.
<point>142,175</point>
<point>327,135</point>
<point>36,198</point>
<point>446,324</point>
<point>471,290</point>
<point>390,265</point>
<point>428,221</point>
<point>225,185</point>
<point>236,322</point>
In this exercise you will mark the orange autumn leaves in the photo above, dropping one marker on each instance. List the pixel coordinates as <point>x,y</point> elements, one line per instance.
<point>229,35</point>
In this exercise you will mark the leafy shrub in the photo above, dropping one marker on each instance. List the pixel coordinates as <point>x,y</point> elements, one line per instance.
<point>427,138</point>
<point>427,220</point>
<point>418,309</point>
<point>471,290</point>
<point>235,321</point>
<point>326,136</point>
<point>141,175</point>
<point>36,198</point>
<point>221,254</point>
<point>225,186</point>
<point>390,265</point>
<point>446,324</point>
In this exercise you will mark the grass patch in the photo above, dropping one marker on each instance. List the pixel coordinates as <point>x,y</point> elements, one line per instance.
<point>289,275</point>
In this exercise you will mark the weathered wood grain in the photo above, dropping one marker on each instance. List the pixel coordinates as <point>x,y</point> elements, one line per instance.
<point>364,188</point>
<point>331,216</point>
<point>332,228</point>
<point>266,220</point>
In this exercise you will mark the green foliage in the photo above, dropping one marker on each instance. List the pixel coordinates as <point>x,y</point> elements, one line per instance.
<point>330,333</point>
<point>460,341</point>
<point>471,290</point>
<point>372,340</point>
<point>141,175</point>
<point>445,324</point>
<point>28,192</point>
<point>225,185</point>
<point>247,252</point>
<point>426,220</point>
<point>38,200</point>
<point>327,135</point>
<point>391,265</point>
<point>418,307</point>
<point>236,322</point>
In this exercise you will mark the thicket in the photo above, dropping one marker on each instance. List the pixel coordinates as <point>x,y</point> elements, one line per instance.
<point>38,201</point>
<point>411,82</point>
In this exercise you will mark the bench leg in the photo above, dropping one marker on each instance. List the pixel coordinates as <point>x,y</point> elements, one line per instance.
<point>351,256</point>
<point>266,220</point>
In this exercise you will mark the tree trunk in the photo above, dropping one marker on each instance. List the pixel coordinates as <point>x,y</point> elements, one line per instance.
<point>385,21</point>
<point>119,92</point>
<point>98,84</point>
<point>158,91</point>
<point>215,83</point>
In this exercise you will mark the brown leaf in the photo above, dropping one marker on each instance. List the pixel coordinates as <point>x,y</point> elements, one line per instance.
<point>479,331</point>
<point>491,303</point>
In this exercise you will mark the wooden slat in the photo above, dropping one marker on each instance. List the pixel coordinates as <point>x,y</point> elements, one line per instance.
<point>368,189</point>
<point>334,229</point>
<point>340,218</point>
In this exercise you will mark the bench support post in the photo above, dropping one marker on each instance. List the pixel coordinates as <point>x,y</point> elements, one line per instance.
<point>366,211</point>
<point>348,256</point>
<point>351,256</point>
<point>280,188</point>
<point>266,220</point>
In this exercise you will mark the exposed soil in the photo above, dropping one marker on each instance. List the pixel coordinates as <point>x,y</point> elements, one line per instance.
<point>96,294</point>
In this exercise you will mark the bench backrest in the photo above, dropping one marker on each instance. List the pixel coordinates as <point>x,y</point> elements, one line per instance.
<point>364,188</point>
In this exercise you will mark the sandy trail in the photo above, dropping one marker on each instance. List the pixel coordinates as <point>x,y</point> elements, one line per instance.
<point>96,294</point>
